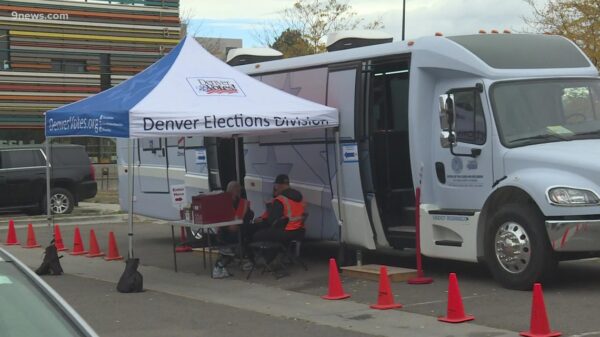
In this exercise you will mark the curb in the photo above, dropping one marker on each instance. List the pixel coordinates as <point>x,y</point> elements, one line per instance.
<point>22,222</point>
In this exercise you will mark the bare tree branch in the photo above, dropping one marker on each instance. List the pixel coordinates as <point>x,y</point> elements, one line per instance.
<point>314,20</point>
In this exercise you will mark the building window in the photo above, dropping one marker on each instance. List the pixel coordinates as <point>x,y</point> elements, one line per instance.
<point>11,136</point>
<point>4,52</point>
<point>68,66</point>
<point>100,150</point>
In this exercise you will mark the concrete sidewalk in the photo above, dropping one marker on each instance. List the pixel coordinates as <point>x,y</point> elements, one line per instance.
<point>156,314</point>
<point>272,301</point>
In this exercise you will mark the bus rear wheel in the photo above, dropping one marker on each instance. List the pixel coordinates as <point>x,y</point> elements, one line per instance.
<point>517,250</point>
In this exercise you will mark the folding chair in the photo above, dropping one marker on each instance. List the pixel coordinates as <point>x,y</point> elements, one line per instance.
<point>273,252</point>
<point>292,249</point>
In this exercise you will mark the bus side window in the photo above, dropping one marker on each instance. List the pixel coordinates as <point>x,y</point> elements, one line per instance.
<point>469,119</point>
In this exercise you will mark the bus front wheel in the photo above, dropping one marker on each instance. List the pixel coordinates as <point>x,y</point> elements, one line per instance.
<point>517,250</point>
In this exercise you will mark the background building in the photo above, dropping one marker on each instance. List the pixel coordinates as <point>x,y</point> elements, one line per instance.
<point>54,52</point>
<point>218,46</point>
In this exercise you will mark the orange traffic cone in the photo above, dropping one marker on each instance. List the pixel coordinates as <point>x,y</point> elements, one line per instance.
<point>78,248</point>
<point>58,241</point>
<point>113,251</point>
<point>456,311</point>
<point>11,236</point>
<point>385,298</point>
<point>336,292</point>
<point>94,248</point>
<point>31,242</point>
<point>539,326</point>
<point>182,247</point>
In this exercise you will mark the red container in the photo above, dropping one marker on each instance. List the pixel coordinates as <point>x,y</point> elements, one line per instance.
<point>213,208</point>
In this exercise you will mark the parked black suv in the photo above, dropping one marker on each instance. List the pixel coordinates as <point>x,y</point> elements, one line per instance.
<point>23,178</point>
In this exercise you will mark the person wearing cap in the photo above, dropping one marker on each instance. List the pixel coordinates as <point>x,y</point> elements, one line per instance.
<point>284,216</point>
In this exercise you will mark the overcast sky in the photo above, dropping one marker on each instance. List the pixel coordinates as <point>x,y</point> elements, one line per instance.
<point>242,19</point>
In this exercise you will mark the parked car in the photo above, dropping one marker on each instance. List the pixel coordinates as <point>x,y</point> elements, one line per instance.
<point>23,178</point>
<point>30,307</point>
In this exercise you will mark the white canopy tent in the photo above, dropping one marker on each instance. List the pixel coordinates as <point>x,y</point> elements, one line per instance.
<point>187,92</point>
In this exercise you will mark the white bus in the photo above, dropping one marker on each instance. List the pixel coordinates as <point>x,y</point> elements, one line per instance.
<point>501,131</point>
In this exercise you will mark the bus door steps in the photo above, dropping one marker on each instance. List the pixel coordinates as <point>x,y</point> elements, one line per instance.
<point>401,190</point>
<point>408,215</point>
<point>402,229</point>
<point>401,236</point>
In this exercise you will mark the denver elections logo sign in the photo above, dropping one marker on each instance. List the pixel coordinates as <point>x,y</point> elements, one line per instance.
<point>213,86</point>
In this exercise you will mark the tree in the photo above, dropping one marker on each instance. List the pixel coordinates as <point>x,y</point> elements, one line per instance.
<point>212,45</point>
<point>291,43</point>
<point>577,20</point>
<point>314,20</point>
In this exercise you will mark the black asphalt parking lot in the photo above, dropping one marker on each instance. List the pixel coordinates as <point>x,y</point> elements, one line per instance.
<point>572,299</point>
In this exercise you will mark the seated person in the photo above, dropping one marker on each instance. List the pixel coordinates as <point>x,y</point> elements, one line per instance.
<point>284,218</point>
<point>229,235</point>
<point>241,206</point>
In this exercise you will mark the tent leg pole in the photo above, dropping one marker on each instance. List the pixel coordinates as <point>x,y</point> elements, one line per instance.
<point>130,144</point>
<point>340,193</point>
<point>48,188</point>
<point>237,159</point>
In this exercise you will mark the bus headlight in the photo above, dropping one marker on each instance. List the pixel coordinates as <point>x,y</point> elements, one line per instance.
<point>566,196</point>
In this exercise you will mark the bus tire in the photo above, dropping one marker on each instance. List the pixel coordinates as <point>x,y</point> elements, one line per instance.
<point>517,250</point>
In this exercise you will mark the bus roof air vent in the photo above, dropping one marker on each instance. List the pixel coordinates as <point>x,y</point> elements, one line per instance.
<point>240,56</point>
<point>356,38</point>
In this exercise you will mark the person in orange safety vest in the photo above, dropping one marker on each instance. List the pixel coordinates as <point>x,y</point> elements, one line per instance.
<point>284,217</point>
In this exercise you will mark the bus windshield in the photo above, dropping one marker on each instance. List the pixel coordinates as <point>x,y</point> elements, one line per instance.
<point>550,110</point>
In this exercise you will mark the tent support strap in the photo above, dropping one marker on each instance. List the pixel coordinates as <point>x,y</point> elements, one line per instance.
<point>130,143</point>
<point>48,188</point>
<point>340,193</point>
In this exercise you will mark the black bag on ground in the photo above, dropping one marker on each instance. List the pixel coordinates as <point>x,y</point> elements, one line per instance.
<point>131,281</point>
<point>51,263</point>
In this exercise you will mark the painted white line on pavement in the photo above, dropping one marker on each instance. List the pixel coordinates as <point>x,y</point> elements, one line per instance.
<point>591,333</point>
<point>441,301</point>
<point>82,220</point>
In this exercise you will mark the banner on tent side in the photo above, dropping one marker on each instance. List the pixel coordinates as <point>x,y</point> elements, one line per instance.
<point>101,125</point>
<point>231,124</point>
